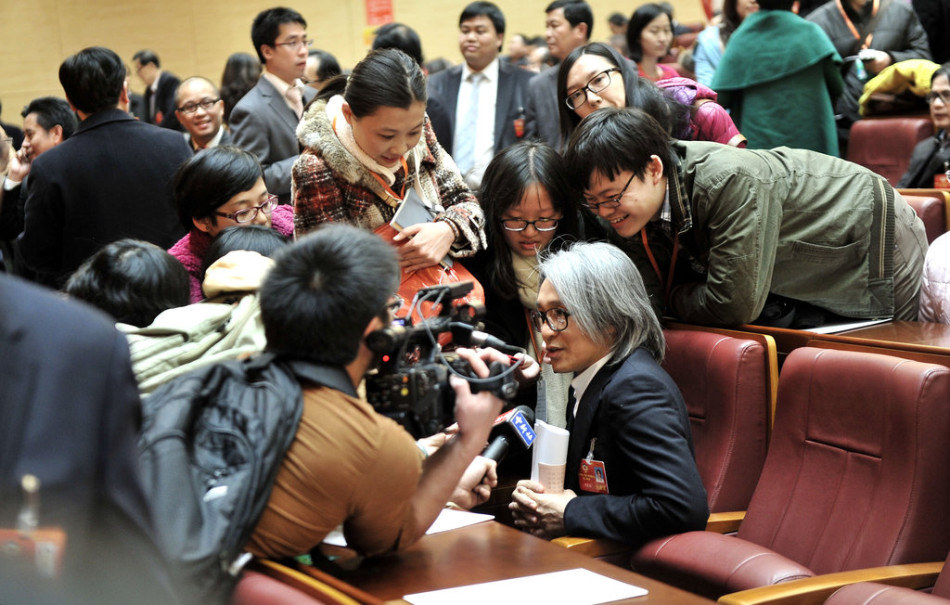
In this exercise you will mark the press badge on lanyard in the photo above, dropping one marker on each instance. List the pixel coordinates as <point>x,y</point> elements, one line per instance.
<point>592,475</point>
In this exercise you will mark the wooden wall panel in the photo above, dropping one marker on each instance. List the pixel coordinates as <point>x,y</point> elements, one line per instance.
<point>195,38</point>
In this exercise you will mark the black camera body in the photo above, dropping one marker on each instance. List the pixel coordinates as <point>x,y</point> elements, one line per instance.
<point>411,383</point>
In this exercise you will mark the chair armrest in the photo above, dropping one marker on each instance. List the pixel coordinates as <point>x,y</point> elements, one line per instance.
<point>818,588</point>
<point>593,547</point>
<point>712,564</point>
<point>725,523</point>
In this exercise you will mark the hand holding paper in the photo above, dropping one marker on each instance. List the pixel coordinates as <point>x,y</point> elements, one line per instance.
<point>427,244</point>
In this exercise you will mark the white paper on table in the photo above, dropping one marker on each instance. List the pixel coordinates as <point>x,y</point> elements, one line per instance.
<point>573,587</point>
<point>550,448</point>
<point>448,519</point>
<point>843,327</point>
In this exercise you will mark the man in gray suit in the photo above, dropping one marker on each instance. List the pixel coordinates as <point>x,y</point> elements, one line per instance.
<point>568,25</point>
<point>264,121</point>
<point>498,118</point>
<point>200,111</point>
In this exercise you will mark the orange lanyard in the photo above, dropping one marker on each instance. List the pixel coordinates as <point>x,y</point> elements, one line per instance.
<point>402,192</point>
<point>854,30</point>
<point>656,267</point>
<point>386,187</point>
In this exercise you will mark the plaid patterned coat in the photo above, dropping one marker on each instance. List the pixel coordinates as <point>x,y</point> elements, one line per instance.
<point>330,184</point>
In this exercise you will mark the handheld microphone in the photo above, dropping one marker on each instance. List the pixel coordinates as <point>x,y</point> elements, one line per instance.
<point>511,431</point>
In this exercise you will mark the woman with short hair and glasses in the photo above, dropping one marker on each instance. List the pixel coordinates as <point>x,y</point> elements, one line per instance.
<point>631,471</point>
<point>219,188</point>
<point>596,75</point>
<point>931,157</point>
<point>528,209</point>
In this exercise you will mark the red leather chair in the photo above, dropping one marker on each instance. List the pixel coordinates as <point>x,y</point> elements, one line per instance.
<point>873,593</point>
<point>856,476</point>
<point>266,582</point>
<point>932,212</point>
<point>258,589</point>
<point>725,382</point>
<point>884,145</point>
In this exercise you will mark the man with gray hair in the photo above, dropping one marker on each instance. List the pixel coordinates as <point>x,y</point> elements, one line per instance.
<point>631,471</point>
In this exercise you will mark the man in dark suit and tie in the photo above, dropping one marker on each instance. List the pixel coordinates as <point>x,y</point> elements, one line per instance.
<point>568,25</point>
<point>264,122</point>
<point>110,180</point>
<point>69,418</point>
<point>486,97</point>
<point>160,90</point>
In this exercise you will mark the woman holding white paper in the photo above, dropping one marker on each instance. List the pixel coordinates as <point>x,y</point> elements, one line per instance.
<point>631,473</point>
<point>367,142</point>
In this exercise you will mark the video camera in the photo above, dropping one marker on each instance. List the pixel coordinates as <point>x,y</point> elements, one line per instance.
<point>411,384</point>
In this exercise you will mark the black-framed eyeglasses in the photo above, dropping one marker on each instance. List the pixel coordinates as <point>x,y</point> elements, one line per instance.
<point>249,214</point>
<point>596,84</point>
<point>542,224</point>
<point>296,43</point>
<point>555,318</point>
<point>943,95</point>
<point>395,303</point>
<point>612,202</point>
<point>205,104</point>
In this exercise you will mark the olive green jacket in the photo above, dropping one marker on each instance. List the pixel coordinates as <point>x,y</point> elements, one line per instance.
<point>795,223</point>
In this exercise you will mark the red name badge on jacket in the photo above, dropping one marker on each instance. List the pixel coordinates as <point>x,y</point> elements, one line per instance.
<point>592,475</point>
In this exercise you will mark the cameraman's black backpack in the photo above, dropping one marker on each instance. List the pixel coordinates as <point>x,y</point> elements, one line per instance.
<point>211,444</point>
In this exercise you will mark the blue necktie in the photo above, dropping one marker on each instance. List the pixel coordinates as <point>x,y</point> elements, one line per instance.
<point>467,130</point>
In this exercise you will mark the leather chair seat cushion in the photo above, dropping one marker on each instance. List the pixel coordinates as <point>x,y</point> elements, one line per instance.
<point>713,564</point>
<point>871,593</point>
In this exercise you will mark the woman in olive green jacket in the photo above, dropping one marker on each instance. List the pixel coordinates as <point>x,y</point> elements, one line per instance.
<point>743,227</point>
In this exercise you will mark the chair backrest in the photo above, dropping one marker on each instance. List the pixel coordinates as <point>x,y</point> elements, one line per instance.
<point>857,473</point>
<point>932,211</point>
<point>939,193</point>
<point>942,587</point>
<point>725,384</point>
<point>258,589</point>
<point>884,145</point>
<point>315,585</point>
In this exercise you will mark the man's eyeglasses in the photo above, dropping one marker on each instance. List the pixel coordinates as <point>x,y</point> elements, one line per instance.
<point>555,318</point>
<point>296,43</point>
<point>596,84</point>
<point>943,95</point>
<point>542,224</point>
<point>249,214</point>
<point>206,104</point>
<point>395,303</point>
<point>612,202</point>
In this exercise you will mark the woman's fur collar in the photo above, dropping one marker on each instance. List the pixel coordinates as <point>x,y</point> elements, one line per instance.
<point>315,133</point>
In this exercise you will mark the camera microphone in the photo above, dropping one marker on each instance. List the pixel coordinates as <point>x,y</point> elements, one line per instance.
<point>467,336</point>
<point>511,432</point>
